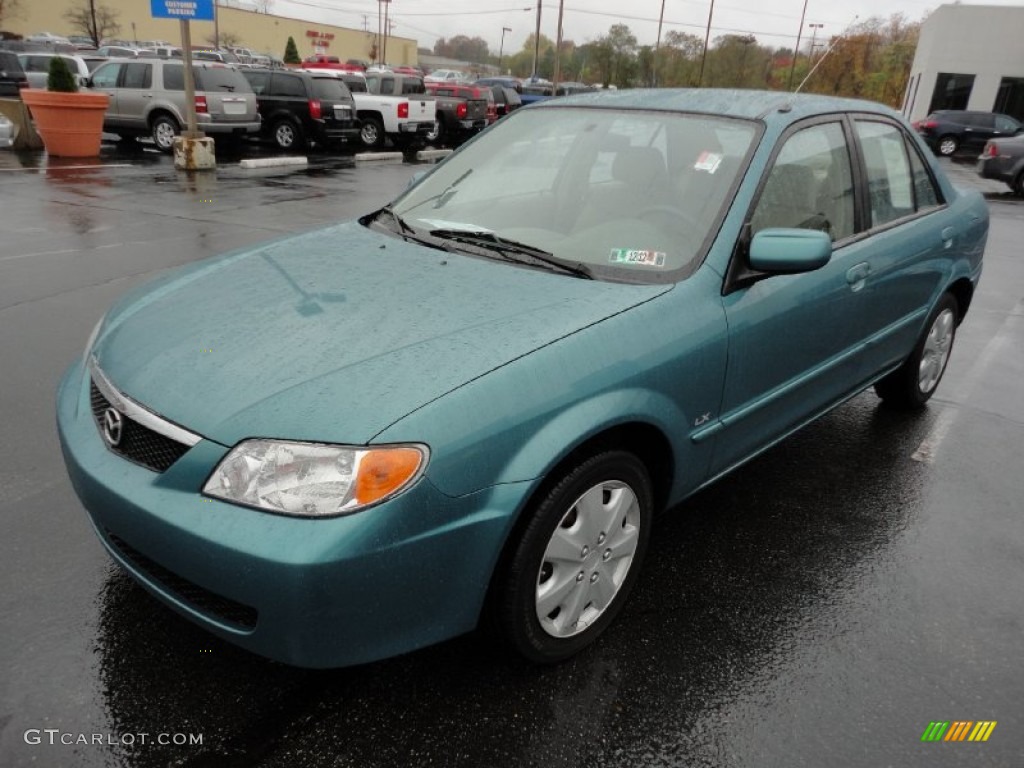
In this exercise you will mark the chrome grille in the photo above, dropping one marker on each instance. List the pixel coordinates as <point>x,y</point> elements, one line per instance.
<point>138,444</point>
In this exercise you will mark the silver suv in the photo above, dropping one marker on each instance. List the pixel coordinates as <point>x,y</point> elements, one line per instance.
<point>147,97</point>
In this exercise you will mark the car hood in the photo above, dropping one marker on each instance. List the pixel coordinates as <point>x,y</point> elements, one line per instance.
<point>335,334</point>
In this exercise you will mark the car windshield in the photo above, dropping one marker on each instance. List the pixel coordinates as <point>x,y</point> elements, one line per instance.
<point>627,195</point>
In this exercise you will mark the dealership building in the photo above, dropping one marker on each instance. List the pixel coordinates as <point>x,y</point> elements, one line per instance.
<point>236,19</point>
<point>968,57</point>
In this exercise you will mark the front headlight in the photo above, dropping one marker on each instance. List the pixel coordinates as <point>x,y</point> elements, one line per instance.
<point>313,479</point>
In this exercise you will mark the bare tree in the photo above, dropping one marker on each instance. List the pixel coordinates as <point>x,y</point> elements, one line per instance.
<point>96,21</point>
<point>227,40</point>
<point>264,6</point>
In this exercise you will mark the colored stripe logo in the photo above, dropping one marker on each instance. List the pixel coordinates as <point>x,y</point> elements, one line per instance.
<point>958,730</point>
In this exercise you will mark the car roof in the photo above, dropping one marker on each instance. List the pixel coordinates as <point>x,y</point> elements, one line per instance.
<point>740,103</point>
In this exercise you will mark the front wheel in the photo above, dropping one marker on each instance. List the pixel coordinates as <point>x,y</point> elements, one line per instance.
<point>577,559</point>
<point>163,129</point>
<point>913,383</point>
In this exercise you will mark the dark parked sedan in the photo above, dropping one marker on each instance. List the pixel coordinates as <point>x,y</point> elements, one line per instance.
<point>948,130</point>
<point>1003,160</point>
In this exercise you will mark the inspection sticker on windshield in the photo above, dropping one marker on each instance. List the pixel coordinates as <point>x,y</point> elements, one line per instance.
<point>707,161</point>
<point>642,258</point>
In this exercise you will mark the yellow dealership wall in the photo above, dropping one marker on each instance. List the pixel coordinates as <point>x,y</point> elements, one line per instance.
<point>261,32</point>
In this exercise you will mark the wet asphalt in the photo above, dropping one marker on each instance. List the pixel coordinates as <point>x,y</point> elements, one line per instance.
<point>820,606</point>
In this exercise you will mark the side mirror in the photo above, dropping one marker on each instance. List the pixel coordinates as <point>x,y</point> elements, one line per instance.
<point>789,251</point>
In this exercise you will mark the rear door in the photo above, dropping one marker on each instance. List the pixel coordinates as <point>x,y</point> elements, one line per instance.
<point>135,94</point>
<point>229,98</point>
<point>981,126</point>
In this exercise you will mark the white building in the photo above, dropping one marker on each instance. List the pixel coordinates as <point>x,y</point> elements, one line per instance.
<point>969,57</point>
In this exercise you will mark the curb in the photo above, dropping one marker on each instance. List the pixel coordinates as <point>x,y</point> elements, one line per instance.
<point>272,162</point>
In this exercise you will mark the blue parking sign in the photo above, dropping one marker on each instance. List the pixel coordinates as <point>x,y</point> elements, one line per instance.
<point>190,10</point>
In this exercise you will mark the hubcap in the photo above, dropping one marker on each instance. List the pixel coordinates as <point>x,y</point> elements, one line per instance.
<point>937,346</point>
<point>370,134</point>
<point>285,135</point>
<point>164,134</point>
<point>587,559</point>
<point>947,147</point>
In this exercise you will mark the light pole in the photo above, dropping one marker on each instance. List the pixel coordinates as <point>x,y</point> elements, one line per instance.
<point>814,36</point>
<point>501,48</point>
<point>384,58</point>
<point>558,51</point>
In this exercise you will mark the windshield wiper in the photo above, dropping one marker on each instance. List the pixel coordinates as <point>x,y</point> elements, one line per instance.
<point>510,249</point>
<point>403,230</point>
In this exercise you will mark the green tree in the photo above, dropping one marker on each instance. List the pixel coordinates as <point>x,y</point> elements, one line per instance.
<point>291,52</point>
<point>60,78</point>
<point>463,48</point>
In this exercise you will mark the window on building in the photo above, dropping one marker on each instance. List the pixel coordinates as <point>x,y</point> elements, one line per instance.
<point>1010,97</point>
<point>952,91</point>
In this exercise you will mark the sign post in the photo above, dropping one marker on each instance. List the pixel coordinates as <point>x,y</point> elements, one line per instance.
<point>192,150</point>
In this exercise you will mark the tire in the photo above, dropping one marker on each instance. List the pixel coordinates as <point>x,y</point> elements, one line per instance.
<point>288,135</point>
<point>1018,184</point>
<point>371,133</point>
<point>163,129</point>
<point>948,145</point>
<point>911,385</point>
<point>577,559</point>
<point>436,134</point>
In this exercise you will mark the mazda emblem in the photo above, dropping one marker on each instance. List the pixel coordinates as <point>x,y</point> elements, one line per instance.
<point>113,425</point>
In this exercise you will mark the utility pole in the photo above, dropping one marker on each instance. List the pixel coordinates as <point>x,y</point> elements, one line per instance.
<point>380,27</point>
<point>501,48</point>
<point>558,51</point>
<point>707,36</point>
<point>657,45</point>
<point>216,27</point>
<point>536,43</point>
<point>796,51</point>
<point>387,6</point>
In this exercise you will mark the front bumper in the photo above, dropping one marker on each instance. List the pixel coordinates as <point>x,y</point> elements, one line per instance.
<point>315,593</point>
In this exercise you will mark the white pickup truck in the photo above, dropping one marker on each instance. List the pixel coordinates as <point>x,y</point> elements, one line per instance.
<point>388,109</point>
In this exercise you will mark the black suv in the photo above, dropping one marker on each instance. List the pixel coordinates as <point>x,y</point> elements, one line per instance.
<point>12,76</point>
<point>299,107</point>
<point>948,130</point>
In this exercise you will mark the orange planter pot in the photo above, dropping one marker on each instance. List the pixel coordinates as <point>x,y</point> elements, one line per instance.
<point>71,124</point>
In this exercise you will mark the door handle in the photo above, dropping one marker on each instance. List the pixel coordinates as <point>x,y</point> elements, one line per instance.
<point>857,274</point>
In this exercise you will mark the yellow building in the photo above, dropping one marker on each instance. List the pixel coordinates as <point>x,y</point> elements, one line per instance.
<point>261,32</point>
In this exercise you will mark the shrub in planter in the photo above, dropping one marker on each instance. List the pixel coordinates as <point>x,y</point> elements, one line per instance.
<point>70,123</point>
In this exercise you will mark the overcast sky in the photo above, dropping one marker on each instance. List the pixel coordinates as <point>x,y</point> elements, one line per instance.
<point>774,23</point>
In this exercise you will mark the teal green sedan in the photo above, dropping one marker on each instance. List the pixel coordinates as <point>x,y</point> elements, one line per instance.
<point>464,409</point>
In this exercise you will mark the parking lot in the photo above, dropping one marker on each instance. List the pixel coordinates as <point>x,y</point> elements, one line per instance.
<point>819,606</point>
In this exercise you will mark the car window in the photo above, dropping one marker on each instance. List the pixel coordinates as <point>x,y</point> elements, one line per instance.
<point>174,77</point>
<point>220,79</point>
<point>1006,124</point>
<point>330,89</point>
<point>412,86</point>
<point>386,86</point>
<point>356,84</point>
<point>138,76</point>
<point>36,63</point>
<point>926,194</point>
<point>105,76</point>
<point>258,81</point>
<point>287,85</point>
<point>810,185</point>
<point>890,188</point>
<point>983,120</point>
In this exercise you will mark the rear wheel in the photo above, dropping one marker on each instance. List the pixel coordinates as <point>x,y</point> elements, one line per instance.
<point>913,383</point>
<point>288,135</point>
<point>577,559</point>
<point>1018,184</point>
<point>163,129</point>
<point>436,134</point>
<point>948,145</point>
<point>371,133</point>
